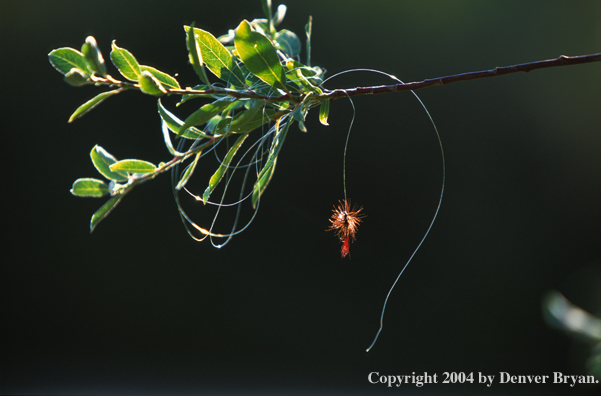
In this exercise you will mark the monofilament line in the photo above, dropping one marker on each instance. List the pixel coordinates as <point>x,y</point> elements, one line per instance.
<point>348,135</point>
<point>431,223</point>
<point>439,200</point>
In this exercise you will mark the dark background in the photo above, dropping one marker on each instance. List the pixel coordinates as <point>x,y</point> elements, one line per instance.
<point>140,308</point>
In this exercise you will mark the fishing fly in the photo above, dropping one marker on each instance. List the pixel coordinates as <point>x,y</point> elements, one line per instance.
<point>345,221</point>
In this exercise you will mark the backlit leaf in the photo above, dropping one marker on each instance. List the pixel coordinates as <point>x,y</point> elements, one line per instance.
<point>204,114</point>
<point>88,187</point>
<point>217,58</point>
<point>93,56</point>
<point>91,104</point>
<point>307,78</point>
<point>133,166</point>
<point>324,110</point>
<point>175,124</point>
<point>279,15</point>
<point>225,163</point>
<point>302,127</point>
<point>165,79</point>
<point>102,161</point>
<point>223,126</point>
<point>167,139</point>
<point>289,42</point>
<point>266,173</point>
<point>194,54</point>
<point>252,118</point>
<point>104,211</point>
<point>125,62</point>
<point>308,29</point>
<point>65,59</point>
<point>150,85</point>
<point>262,182</point>
<point>268,14</point>
<point>187,173</point>
<point>259,56</point>
<point>77,78</point>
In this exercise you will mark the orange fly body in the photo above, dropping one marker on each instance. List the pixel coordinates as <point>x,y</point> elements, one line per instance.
<point>345,221</point>
<point>345,249</point>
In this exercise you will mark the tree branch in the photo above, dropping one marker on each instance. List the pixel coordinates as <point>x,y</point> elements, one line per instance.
<point>497,71</point>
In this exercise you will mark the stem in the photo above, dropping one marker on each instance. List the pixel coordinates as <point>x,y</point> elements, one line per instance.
<point>175,161</point>
<point>497,71</point>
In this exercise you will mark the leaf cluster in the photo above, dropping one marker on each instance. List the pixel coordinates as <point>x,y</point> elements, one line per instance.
<point>250,78</point>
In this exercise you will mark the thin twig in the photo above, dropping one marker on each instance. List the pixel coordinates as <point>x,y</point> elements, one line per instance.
<point>497,71</point>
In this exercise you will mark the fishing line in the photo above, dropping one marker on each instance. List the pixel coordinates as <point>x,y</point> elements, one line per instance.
<point>439,200</point>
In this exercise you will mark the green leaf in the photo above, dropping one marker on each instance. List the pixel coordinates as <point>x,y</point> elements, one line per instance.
<point>324,111</point>
<point>261,25</point>
<point>289,42</point>
<point>65,59</point>
<point>300,113</point>
<point>302,127</point>
<point>125,62</point>
<point>268,14</point>
<point>259,56</point>
<point>276,144</point>
<point>254,117</point>
<point>279,15</point>
<point>102,161</point>
<point>195,56</point>
<point>88,187</point>
<point>223,126</point>
<point>165,79</point>
<point>218,175</point>
<point>91,104</point>
<point>167,139</point>
<point>242,124</point>
<point>93,56</point>
<point>150,85</point>
<point>303,82</point>
<point>267,172</point>
<point>188,173</point>
<point>307,78</point>
<point>308,29</point>
<point>104,211</point>
<point>204,114</point>
<point>133,166</point>
<point>175,124</point>
<point>228,37</point>
<point>262,182</point>
<point>77,78</point>
<point>217,58</point>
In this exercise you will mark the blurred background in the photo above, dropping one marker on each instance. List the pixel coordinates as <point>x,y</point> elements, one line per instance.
<point>138,307</point>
